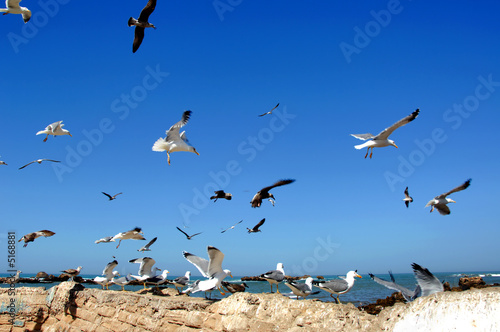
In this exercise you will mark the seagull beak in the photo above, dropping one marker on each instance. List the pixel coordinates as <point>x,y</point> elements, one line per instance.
<point>395,145</point>
<point>452,201</point>
<point>231,275</point>
<point>357,275</point>
<point>196,152</point>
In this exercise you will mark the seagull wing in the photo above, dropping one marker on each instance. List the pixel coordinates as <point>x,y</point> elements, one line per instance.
<point>384,134</point>
<point>108,270</point>
<point>44,232</point>
<point>139,36</point>
<point>256,227</point>
<point>270,110</point>
<point>147,10</point>
<point>150,243</point>
<point>109,196</point>
<point>27,164</point>
<point>426,280</point>
<point>146,264</point>
<point>406,193</point>
<point>200,263</point>
<point>277,184</point>
<point>363,137</point>
<point>114,196</point>
<point>196,234</point>
<point>443,209</point>
<point>454,190</point>
<point>215,264</point>
<point>392,285</point>
<point>53,126</point>
<point>335,285</point>
<point>54,161</point>
<point>180,230</point>
<point>173,132</point>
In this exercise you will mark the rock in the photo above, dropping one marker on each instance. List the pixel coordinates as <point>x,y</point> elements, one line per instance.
<point>376,308</point>
<point>41,274</point>
<point>469,282</point>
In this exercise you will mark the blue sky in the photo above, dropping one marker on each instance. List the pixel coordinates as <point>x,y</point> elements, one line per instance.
<point>336,69</point>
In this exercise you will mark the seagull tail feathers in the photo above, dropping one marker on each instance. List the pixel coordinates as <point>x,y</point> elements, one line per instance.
<point>160,145</point>
<point>131,21</point>
<point>360,146</point>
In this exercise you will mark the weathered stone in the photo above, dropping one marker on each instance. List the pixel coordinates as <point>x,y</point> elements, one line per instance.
<point>469,282</point>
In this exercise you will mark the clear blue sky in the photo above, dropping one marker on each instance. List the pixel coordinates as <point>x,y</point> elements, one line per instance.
<point>335,69</point>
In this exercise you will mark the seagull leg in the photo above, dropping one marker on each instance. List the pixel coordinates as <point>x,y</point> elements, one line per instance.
<point>367,150</point>
<point>271,287</point>
<point>45,140</point>
<point>371,153</point>
<point>221,291</point>
<point>277,290</point>
<point>168,158</point>
<point>118,244</point>
<point>432,208</point>
<point>338,300</point>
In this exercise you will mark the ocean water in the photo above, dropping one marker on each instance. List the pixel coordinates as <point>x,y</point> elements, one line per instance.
<point>365,290</point>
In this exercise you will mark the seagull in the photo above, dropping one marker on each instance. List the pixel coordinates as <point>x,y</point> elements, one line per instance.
<point>111,197</point>
<point>255,228</point>
<point>108,274</point>
<point>211,269</point>
<point>174,141</point>
<point>439,202</point>
<point>382,139</point>
<point>122,281</point>
<point>338,286</point>
<point>275,276</point>
<point>15,278</point>
<point>30,237</point>
<point>146,247</point>
<point>196,287</point>
<point>39,161</point>
<point>145,269</point>
<point>234,288</point>
<point>134,234</point>
<point>72,272</point>
<point>105,239</point>
<point>221,194</point>
<point>408,199</point>
<point>188,236</point>
<point>301,289</point>
<point>141,23</point>
<point>14,8</point>
<point>158,280</point>
<point>271,111</point>
<point>232,227</point>
<point>428,283</point>
<point>3,162</point>
<point>264,193</point>
<point>181,282</point>
<point>407,294</point>
<point>54,129</point>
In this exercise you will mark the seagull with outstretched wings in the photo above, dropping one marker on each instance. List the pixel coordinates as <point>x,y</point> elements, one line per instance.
<point>264,193</point>
<point>440,202</point>
<point>189,237</point>
<point>255,228</point>
<point>271,111</point>
<point>141,23</point>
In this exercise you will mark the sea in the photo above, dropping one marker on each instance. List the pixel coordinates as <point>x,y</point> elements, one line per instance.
<point>365,290</point>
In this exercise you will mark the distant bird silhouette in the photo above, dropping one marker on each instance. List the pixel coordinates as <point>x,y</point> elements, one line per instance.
<point>439,202</point>
<point>232,226</point>
<point>407,198</point>
<point>141,23</point>
<point>271,111</point>
<point>255,228</point>
<point>188,236</point>
<point>146,247</point>
<point>39,161</point>
<point>30,237</point>
<point>264,193</point>
<point>111,197</point>
<point>221,194</point>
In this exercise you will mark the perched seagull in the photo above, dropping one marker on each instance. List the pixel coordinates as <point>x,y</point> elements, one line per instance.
<point>158,280</point>
<point>72,272</point>
<point>407,294</point>
<point>189,237</point>
<point>301,289</point>
<point>146,247</point>
<point>146,270</point>
<point>181,282</point>
<point>232,227</point>
<point>211,269</point>
<point>15,278</point>
<point>39,161</point>
<point>382,139</point>
<point>264,193</point>
<point>141,24</point>
<point>111,197</point>
<point>134,234</point>
<point>108,274</point>
<point>195,287</point>
<point>54,129</point>
<point>221,194</point>
<point>14,8</point>
<point>439,202</point>
<point>123,281</point>
<point>30,237</point>
<point>105,239</point>
<point>275,276</point>
<point>234,288</point>
<point>271,111</point>
<point>255,228</point>
<point>408,199</point>
<point>338,286</point>
<point>174,141</point>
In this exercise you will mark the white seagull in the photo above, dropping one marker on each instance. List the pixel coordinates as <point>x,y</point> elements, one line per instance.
<point>134,234</point>
<point>439,202</point>
<point>338,286</point>
<point>301,289</point>
<point>181,282</point>
<point>211,269</point>
<point>54,129</point>
<point>275,276</point>
<point>146,247</point>
<point>146,270</point>
<point>14,8</point>
<point>108,274</point>
<point>39,161</point>
<point>174,141</point>
<point>382,139</point>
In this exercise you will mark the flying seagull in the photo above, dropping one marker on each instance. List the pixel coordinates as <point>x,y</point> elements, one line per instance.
<point>338,286</point>
<point>181,282</point>
<point>174,141</point>
<point>32,236</point>
<point>271,111</point>
<point>211,269</point>
<point>146,270</point>
<point>275,276</point>
<point>221,194</point>
<point>111,197</point>
<point>105,239</point>
<point>3,162</point>
<point>108,274</point>
<point>439,202</point>
<point>408,199</point>
<point>141,23</point>
<point>134,234</point>
<point>382,139</point>
<point>264,193</point>
<point>255,228</point>
<point>39,161</point>
<point>188,236</point>
<point>301,289</point>
<point>72,272</point>
<point>54,129</point>
<point>232,227</point>
<point>14,8</point>
<point>146,247</point>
